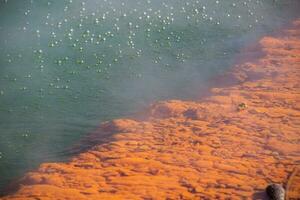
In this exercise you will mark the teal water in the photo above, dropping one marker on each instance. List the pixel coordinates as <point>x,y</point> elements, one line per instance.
<point>66,66</point>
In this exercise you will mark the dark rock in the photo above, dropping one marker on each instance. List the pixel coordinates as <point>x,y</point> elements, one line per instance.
<point>275,192</point>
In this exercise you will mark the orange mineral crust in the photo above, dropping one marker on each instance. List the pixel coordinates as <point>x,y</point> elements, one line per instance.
<point>229,145</point>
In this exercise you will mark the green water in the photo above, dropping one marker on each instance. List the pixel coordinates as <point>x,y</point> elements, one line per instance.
<point>66,66</point>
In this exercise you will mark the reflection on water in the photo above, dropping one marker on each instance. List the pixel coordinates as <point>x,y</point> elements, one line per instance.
<point>65,66</point>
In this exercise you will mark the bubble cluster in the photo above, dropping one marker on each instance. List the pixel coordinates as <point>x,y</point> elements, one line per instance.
<point>87,28</point>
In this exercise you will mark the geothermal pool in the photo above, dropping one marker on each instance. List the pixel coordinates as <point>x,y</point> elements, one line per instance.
<point>66,66</point>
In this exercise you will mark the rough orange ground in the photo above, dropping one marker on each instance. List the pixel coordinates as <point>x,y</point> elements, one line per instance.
<point>293,186</point>
<point>227,146</point>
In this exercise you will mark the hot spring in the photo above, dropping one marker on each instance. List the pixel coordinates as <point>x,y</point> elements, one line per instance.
<point>66,66</point>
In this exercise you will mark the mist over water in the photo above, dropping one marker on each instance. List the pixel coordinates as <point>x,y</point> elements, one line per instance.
<point>66,66</point>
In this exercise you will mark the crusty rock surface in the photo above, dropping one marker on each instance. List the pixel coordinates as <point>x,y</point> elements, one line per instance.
<point>229,145</point>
